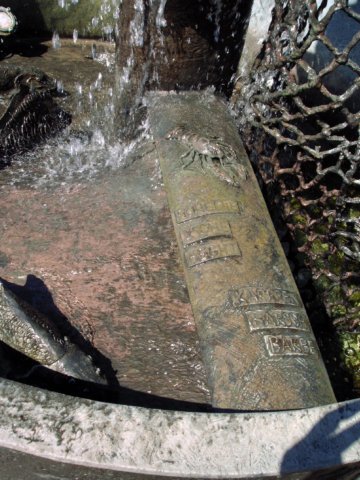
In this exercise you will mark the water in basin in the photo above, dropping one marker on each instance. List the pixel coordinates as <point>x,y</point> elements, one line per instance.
<point>87,235</point>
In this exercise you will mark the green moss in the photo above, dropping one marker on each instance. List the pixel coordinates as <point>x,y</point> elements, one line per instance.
<point>354,213</point>
<point>320,248</point>
<point>298,219</point>
<point>321,229</point>
<point>335,294</point>
<point>341,242</point>
<point>295,204</point>
<point>299,237</point>
<point>319,264</point>
<point>322,283</point>
<point>350,353</point>
<point>342,226</point>
<point>355,314</point>
<point>354,298</point>
<point>314,211</point>
<point>338,311</point>
<point>336,262</point>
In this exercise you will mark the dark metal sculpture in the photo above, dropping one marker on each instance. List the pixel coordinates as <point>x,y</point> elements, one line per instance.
<point>32,114</point>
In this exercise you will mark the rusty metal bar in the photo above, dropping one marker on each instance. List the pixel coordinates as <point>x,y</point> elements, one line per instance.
<point>256,339</point>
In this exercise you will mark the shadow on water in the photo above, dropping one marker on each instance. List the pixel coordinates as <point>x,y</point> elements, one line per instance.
<point>24,370</point>
<point>22,47</point>
<point>324,445</point>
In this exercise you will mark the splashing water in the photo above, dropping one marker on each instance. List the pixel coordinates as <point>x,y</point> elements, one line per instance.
<point>218,8</point>
<point>56,43</point>
<point>160,18</point>
<point>137,25</point>
<point>69,158</point>
<point>90,146</point>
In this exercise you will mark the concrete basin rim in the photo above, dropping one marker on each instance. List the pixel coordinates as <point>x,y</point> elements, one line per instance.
<point>166,443</point>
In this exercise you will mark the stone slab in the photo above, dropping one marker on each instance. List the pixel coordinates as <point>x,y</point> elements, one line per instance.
<point>257,343</point>
<point>53,436</point>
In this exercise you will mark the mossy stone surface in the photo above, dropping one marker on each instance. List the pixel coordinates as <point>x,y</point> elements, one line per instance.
<point>350,343</point>
<point>336,262</point>
<point>319,248</point>
<point>355,298</point>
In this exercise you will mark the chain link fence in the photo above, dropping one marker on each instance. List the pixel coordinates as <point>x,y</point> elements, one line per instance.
<point>299,113</point>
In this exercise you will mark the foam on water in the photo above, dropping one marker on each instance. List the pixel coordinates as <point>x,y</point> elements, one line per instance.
<point>71,157</point>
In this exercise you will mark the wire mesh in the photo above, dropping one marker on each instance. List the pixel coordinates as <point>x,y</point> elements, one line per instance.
<point>299,113</point>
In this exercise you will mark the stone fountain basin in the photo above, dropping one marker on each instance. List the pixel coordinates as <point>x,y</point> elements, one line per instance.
<point>46,435</point>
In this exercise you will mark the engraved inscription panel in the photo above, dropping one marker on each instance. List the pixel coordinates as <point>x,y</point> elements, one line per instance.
<point>289,345</point>
<point>199,253</point>
<point>215,227</point>
<point>269,319</point>
<point>199,209</point>
<point>239,297</point>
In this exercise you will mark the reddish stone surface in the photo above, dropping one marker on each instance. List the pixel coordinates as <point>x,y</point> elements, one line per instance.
<point>104,252</point>
<point>108,255</point>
